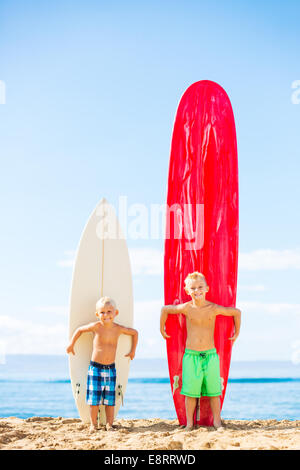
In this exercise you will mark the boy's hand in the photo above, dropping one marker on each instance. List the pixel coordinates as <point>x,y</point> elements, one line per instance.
<point>234,337</point>
<point>163,333</point>
<point>131,355</point>
<point>70,349</point>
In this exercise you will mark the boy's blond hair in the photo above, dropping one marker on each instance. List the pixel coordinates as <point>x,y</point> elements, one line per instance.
<point>104,301</point>
<point>193,276</point>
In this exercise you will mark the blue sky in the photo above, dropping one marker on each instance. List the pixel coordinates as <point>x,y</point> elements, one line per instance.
<point>91,93</point>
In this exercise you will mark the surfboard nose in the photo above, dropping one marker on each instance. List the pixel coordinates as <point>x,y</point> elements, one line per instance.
<point>103,200</point>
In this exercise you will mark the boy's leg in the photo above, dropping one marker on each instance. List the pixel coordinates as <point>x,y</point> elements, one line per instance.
<point>212,387</point>
<point>216,411</point>
<point>192,377</point>
<point>190,405</point>
<point>93,393</point>
<point>110,397</point>
<point>94,415</point>
<point>109,412</point>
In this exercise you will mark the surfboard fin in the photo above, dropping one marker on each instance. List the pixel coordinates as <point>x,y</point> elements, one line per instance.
<point>120,393</point>
<point>222,383</point>
<point>175,383</point>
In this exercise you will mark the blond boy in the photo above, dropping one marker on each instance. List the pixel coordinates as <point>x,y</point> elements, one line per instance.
<point>200,365</point>
<point>101,379</point>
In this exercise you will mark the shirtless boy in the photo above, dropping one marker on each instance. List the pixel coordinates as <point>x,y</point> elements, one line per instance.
<point>200,364</point>
<point>101,379</point>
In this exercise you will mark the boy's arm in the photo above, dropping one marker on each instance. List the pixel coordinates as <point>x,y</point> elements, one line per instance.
<point>131,332</point>
<point>78,332</point>
<point>231,312</point>
<point>170,310</point>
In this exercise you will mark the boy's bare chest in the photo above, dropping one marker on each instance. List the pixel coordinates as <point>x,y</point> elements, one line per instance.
<point>204,318</point>
<point>104,336</point>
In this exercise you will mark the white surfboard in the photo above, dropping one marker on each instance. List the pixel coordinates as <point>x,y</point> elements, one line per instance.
<point>102,268</point>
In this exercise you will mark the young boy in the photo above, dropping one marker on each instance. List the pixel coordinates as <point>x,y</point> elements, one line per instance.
<point>200,364</point>
<point>101,379</point>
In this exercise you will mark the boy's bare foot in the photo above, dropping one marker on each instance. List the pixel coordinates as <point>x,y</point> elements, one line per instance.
<point>189,427</point>
<point>218,426</point>
<point>220,429</point>
<point>110,427</point>
<point>93,428</point>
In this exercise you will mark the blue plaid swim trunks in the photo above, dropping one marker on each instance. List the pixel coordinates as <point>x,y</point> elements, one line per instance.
<point>101,384</point>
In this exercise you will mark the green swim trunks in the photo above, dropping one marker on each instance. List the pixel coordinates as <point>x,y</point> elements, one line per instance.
<point>201,373</point>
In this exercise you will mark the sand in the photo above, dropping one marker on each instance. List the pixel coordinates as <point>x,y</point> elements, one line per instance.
<point>151,434</point>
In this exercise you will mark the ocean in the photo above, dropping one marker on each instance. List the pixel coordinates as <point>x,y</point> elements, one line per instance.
<point>32,385</point>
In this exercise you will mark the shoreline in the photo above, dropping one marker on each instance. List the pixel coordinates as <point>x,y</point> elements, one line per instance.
<point>45,433</point>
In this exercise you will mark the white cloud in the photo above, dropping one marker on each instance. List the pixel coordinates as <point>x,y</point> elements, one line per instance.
<point>251,288</point>
<point>61,310</point>
<point>29,337</point>
<point>296,352</point>
<point>269,308</point>
<point>69,260</point>
<point>266,259</point>
<point>268,331</point>
<point>2,352</point>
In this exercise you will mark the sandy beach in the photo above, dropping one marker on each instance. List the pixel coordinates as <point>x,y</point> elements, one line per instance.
<point>148,434</point>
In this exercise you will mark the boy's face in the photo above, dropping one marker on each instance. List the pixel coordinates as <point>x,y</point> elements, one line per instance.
<point>197,289</point>
<point>106,313</point>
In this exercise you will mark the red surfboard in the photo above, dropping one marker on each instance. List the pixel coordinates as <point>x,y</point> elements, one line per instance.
<point>202,224</point>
